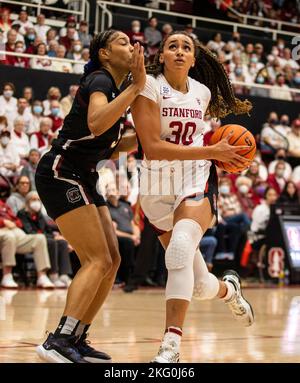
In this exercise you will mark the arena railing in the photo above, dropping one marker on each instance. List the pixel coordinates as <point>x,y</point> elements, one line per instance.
<point>83,13</point>
<point>238,83</point>
<point>244,17</point>
<point>104,8</point>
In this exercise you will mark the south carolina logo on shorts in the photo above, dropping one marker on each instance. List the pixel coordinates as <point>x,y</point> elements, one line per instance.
<point>73,195</point>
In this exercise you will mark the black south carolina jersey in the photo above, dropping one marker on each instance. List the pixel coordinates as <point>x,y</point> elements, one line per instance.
<point>75,141</point>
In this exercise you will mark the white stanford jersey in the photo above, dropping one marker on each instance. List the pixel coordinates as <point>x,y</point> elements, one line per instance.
<point>181,115</point>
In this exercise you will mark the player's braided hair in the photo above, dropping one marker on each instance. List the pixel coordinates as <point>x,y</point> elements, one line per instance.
<point>101,40</point>
<point>210,72</point>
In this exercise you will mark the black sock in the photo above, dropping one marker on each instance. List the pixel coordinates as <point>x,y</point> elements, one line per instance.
<point>67,327</point>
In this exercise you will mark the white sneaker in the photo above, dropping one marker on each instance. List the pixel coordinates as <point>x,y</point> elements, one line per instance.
<point>240,308</point>
<point>44,282</point>
<point>65,279</point>
<point>57,282</point>
<point>168,351</point>
<point>8,282</point>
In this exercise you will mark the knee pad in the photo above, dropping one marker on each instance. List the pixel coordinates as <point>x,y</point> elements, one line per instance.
<point>179,259</point>
<point>206,288</point>
<point>184,241</point>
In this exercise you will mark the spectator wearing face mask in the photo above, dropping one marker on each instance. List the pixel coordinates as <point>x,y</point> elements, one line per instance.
<point>294,141</point>
<point>9,158</point>
<point>260,79</point>
<point>54,115</point>
<point>37,115</point>
<point>29,169</point>
<point>75,52</point>
<point>135,34</point>
<point>42,140</point>
<point>8,103</point>
<point>34,222</point>
<point>31,41</point>
<point>247,198</point>
<point>281,155</point>
<point>277,180</point>
<point>17,61</point>
<point>284,125</point>
<point>52,94</point>
<point>290,194</point>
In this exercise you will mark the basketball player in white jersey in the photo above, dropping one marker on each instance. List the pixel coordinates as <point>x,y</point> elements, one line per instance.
<point>179,197</point>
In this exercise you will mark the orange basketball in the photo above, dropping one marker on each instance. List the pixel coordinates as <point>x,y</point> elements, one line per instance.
<point>241,136</point>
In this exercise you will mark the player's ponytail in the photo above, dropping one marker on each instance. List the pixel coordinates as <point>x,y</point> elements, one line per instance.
<point>210,72</point>
<point>101,40</point>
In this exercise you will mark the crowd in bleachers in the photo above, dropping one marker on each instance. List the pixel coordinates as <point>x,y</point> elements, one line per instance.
<point>28,126</point>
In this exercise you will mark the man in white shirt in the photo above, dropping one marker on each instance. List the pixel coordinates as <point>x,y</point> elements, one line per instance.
<point>8,103</point>
<point>19,138</point>
<point>9,158</point>
<point>24,112</point>
<point>41,28</point>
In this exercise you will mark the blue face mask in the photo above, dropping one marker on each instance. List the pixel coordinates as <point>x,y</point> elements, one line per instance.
<point>31,36</point>
<point>297,80</point>
<point>254,59</point>
<point>55,111</point>
<point>239,71</point>
<point>37,109</point>
<point>260,80</point>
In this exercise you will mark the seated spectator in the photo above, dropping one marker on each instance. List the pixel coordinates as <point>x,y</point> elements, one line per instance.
<point>216,44</point>
<point>271,139</point>
<point>189,29</point>
<point>67,101</point>
<point>5,22</point>
<point>294,140</point>
<point>16,200</point>
<point>34,222</point>
<point>29,169</point>
<point>261,217</point>
<point>51,35</point>
<point>83,34</point>
<point>12,38</point>
<point>17,61</point>
<point>61,66</point>
<point>153,38</point>
<point>246,196</point>
<point>166,30</point>
<point>52,49</point>
<point>37,115</point>
<point>277,180</point>
<point>23,21</point>
<point>296,176</point>
<point>55,111</point>
<point>254,173</point>
<point>70,23</point>
<point>42,140</point>
<point>283,93</point>
<point>284,125</point>
<point>78,68</point>
<point>9,158</point>
<point>28,95</point>
<point>3,123</point>
<point>75,51</point>
<point>127,232</point>
<point>19,138</point>
<point>32,41</point>
<point>135,34</point>
<point>67,40</point>
<point>23,111</point>
<point>41,28</point>
<point>52,94</point>
<point>290,194</point>
<point>43,63</point>
<point>8,103</point>
<point>14,240</point>
<point>281,155</point>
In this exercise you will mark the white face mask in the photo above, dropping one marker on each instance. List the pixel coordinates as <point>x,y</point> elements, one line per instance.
<point>77,48</point>
<point>224,189</point>
<point>5,140</point>
<point>8,93</point>
<point>19,50</point>
<point>35,206</point>
<point>136,29</point>
<point>244,189</point>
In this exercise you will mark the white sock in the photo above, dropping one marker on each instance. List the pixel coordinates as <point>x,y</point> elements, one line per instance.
<point>230,291</point>
<point>173,334</point>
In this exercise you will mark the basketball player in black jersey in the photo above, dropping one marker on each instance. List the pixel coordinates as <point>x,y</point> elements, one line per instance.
<point>66,182</point>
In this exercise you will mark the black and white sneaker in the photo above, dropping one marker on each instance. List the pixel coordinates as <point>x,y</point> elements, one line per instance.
<point>240,308</point>
<point>60,350</point>
<point>90,354</point>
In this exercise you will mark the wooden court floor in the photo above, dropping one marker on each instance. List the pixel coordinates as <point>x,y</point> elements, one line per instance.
<point>129,327</point>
